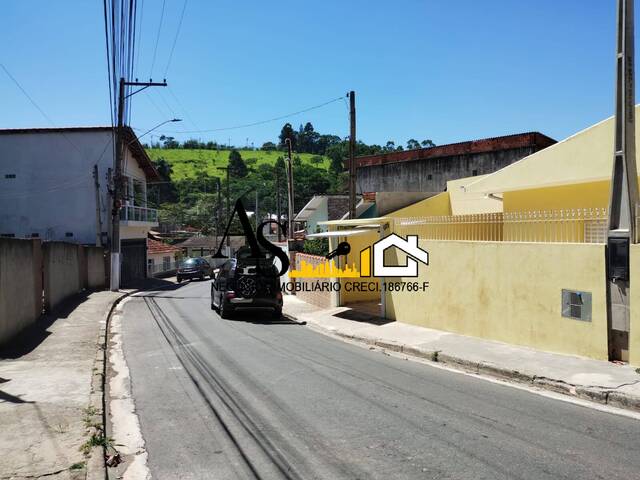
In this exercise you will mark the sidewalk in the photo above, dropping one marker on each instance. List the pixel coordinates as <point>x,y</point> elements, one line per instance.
<point>47,378</point>
<point>594,380</point>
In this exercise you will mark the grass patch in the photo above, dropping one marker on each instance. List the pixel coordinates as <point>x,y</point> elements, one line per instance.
<point>96,440</point>
<point>77,466</point>
<point>187,163</point>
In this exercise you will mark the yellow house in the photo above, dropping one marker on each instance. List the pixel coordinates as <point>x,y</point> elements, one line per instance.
<point>507,251</point>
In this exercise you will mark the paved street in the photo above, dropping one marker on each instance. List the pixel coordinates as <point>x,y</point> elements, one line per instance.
<point>247,398</point>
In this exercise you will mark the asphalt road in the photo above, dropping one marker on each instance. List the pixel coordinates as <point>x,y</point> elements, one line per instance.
<point>248,398</point>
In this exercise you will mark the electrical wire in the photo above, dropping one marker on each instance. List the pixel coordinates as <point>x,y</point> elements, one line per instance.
<point>155,49</point>
<point>175,39</point>
<point>262,122</point>
<point>184,110</point>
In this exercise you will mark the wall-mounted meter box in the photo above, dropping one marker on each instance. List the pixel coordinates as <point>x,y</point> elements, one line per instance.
<point>618,258</point>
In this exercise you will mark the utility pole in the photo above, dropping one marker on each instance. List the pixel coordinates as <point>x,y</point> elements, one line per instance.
<point>352,153</point>
<point>118,177</point>
<point>624,189</point>
<point>96,183</point>
<point>257,210</point>
<point>278,203</point>
<point>228,207</point>
<point>218,209</point>
<point>289,190</point>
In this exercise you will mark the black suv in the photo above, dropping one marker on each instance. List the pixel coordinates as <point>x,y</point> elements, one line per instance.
<point>196,267</point>
<point>239,286</point>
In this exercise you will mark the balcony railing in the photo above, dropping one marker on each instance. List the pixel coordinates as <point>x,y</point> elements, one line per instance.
<point>138,214</point>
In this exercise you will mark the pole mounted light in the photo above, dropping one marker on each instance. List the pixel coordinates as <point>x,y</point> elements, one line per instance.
<point>173,120</point>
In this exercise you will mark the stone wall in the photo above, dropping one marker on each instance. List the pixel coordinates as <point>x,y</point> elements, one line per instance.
<point>321,299</point>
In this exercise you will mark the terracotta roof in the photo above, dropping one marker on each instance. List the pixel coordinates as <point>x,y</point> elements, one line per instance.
<point>507,142</point>
<point>154,246</point>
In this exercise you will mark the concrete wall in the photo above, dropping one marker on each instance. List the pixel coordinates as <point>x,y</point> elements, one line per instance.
<point>510,292</point>
<point>62,272</point>
<point>95,268</point>
<point>413,176</point>
<point>634,329</point>
<point>53,192</point>
<point>20,285</point>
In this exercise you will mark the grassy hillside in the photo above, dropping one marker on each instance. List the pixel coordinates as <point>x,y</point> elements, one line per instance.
<point>191,163</point>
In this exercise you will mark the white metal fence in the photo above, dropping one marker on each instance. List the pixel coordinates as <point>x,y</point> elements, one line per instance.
<point>578,225</point>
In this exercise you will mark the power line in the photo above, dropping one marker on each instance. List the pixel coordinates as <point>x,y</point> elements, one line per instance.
<point>186,112</point>
<point>42,112</point>
<point>155,49</point>
<point>139,42</point>
<point>262,122</point>
<point>175,39</point>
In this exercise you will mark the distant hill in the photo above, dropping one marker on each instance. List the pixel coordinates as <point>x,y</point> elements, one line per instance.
<point>187,163</point>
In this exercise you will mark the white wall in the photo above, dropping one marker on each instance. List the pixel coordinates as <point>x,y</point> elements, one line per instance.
<point>321,214</point>
<point>53,192</point>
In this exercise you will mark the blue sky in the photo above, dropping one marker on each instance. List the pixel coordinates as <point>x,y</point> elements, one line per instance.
<point>448,71</point>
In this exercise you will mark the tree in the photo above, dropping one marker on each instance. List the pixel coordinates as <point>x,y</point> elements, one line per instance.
<point>412,144</point>
<point>427,143</point>
<point>237,167</point>
<point>337,154</point>
<point>268,146</point>
<point>287,132</point>
<point>191,144</point>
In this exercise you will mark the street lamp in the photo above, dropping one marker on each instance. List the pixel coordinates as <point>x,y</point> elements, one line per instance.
<point>173,120</point>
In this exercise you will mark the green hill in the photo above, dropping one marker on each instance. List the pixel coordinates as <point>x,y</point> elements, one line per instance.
<point>187,163</point>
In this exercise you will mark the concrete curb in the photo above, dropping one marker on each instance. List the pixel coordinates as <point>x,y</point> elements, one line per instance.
<point>604,396</point>
<point>96,412</point>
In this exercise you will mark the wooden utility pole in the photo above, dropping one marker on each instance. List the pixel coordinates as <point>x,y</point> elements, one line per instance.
<point>218,209</point>
<point>290,196</point>
<point>96,183</point>
<point>624,189</point>
<point>352,154</point>
<point>118,180</point>
<point>228,207</point>
<point>278,203</point>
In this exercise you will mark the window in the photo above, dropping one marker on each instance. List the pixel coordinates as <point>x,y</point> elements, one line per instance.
<point>10,175</point>
<point>68,234</point>
<point>35,235</point>
<point>166,263</point>
<point>429,177</point>
<point>474,173</point>
<point>7,235</point>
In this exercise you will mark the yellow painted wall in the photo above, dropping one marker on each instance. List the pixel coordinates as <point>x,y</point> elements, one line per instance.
<point>634,329</point>
<point>510,292</point>
<point>358,242</point>
<point>581,195</point>
<point>433,206</point>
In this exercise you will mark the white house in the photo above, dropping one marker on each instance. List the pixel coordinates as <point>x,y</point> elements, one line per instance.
<point>48,189</point>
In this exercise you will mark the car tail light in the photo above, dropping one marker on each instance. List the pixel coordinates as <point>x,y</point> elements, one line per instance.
<point>279,295</point>
<point>231,295</point>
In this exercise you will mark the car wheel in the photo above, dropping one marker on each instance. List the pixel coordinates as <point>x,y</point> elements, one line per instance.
<point>179,279</point>
<point>277,314</point>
